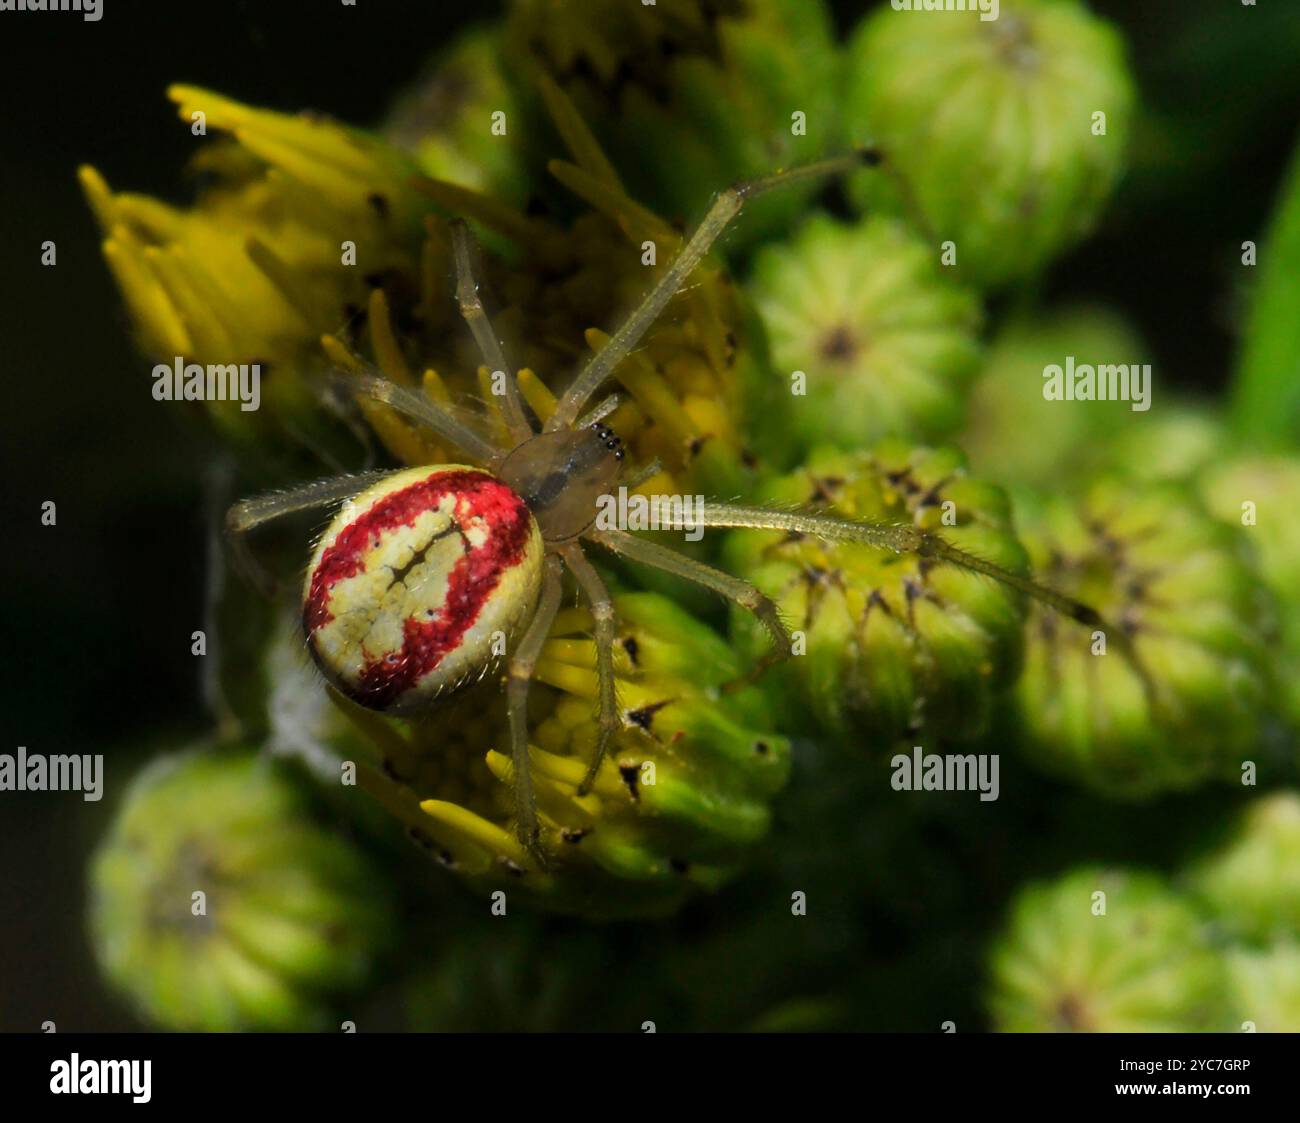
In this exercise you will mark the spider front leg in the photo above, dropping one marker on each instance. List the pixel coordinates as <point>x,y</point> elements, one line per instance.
<point>906,539</point>
<point>602,611</point>
<point>419,408</point>
<point>898,538</point>
<point>475,315</point>
<point>732,588</point>
<point>723,210</point>
<point>519,677</point>
<point>248,514</point>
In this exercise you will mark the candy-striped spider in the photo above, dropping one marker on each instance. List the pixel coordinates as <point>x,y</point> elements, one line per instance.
<point>424,569</point>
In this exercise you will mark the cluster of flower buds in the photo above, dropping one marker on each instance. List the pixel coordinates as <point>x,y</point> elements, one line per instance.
<point>312,245</point>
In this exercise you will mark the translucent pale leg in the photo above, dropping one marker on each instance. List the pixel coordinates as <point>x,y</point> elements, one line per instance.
<point>725,207</point>
<point>733,588</point>
<point>602,611</point>
<point>904,539</point>
<point>248,514</point>
<point>522,665</point>
<point>898,538</point>
<point>418,408</point>
<point>471,308</point>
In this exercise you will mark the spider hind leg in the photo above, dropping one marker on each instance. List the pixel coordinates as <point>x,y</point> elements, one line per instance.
<point>602,611</point>
<point>248,514</point>
<point>519,678</point>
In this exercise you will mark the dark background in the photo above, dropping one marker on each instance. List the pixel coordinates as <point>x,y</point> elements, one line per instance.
<point>99,609</point>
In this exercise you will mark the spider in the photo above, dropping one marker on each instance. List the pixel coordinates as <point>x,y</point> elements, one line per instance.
<point>423,569</point>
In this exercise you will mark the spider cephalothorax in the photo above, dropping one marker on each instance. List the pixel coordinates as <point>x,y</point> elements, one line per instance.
<point>427,574</point>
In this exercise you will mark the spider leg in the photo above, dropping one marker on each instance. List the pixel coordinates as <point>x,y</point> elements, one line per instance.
<point>602,610</point>
<point>518,679</point>
<point>471,308</point>
<point>419,408</point>
<point>906,539</point>
<point>732,588</point>
<point>602,409</point>
<point>248,514</point>
<point>899,538</point>
<point>725,207</point>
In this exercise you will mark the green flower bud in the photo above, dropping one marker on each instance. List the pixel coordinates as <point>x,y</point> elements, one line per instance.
<point>1265,988</point>
<point>1104,951</point>
<point>1175,692</point>
<point>1171,444</point>
<point>691,97</point>
<point>888,644</point>
<point>1259,495</point>
<point>446,120</point>
<point>1252,884</point>
<point>1017,437</point>
<point>1004,137</point>
<point>218,903</point>
<point>1258,498</point>
<point>682,797</point>
<point>868,338</point>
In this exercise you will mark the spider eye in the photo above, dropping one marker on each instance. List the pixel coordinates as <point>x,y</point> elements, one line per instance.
<point>611,440</point>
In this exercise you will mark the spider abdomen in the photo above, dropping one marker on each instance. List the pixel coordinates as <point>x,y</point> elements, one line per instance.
<point>415,582</point>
